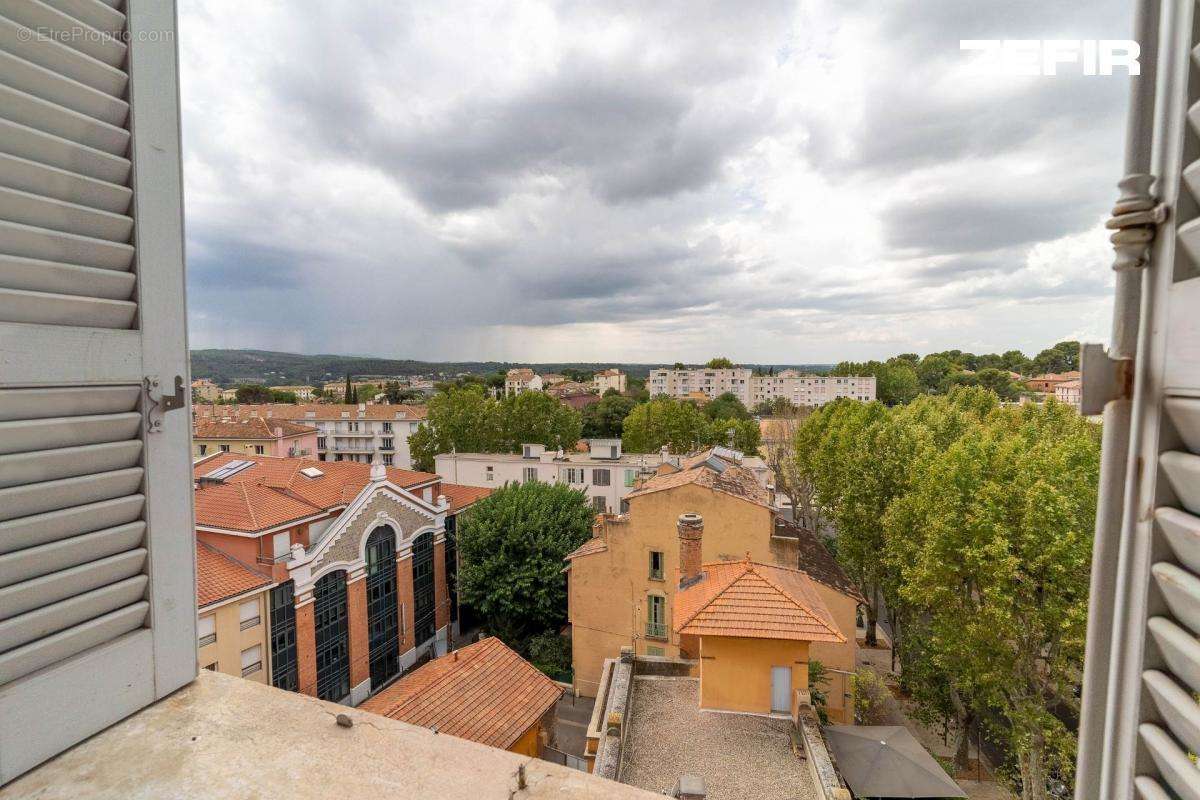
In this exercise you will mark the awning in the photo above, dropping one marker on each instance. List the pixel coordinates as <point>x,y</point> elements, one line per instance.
<point>887,761</point>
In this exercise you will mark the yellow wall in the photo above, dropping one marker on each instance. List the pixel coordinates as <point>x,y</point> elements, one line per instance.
<point>226,652</point>
<point>735,673</point>
<point>528,744</point>
<point>607,591</point>
<point>837,656</point>
<point>235,446</point>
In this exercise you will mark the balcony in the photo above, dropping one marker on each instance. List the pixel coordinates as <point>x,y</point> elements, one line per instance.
<point>350,448</point>
<point>656,630</point>
<point>351,434</point>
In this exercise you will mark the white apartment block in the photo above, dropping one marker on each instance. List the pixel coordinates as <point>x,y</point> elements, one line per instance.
<point>521,380</point>
<point>303,393</point>
<point>711,382</point>
<point>604,472</point>
<point>810,390</point>
<point>607,379</point>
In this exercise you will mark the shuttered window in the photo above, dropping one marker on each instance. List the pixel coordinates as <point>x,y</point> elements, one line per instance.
<point>97,593</point>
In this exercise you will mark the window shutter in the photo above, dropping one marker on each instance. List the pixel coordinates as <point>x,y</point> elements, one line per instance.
<point>97,575</point>
<point>1147,710</point>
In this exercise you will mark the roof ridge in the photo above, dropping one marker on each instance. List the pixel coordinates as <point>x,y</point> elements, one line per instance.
<point>804,606</point>
<point>249,506</point>
<point>718,592</point>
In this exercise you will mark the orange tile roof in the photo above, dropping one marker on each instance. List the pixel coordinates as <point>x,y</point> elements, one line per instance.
<point>272,490</point>
<point>248,428</point>
<point>734,479</point>
<point>748,599</point>
<point>462,496</point>
<point>597,544</point>
<point>484,692</point>
<point>220,577</point>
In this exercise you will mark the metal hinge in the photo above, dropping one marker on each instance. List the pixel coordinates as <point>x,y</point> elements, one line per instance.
<point>158,403</point>
<point>1102,378</point>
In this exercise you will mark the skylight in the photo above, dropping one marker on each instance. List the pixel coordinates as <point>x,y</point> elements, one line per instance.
<point>226,470</point>
<point>311,472</point>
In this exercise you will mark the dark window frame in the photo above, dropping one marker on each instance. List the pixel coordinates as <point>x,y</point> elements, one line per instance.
<point>424,590</point>
<point>383,608</point>
<point>283,637</point>
<point>332,634</point>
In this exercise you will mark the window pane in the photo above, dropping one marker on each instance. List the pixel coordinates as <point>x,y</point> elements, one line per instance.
<point>248,610</point>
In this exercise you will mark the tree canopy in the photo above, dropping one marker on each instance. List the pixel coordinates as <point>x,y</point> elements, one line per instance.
<point>719,363</point>
<point>253,393</point>
<point>726,406</point>
<point>680,426</point>
<point>606,419</point>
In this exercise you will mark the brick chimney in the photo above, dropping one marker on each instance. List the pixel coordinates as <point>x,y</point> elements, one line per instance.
<point>691,533</point>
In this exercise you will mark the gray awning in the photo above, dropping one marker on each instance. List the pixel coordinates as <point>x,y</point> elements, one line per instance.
<point>887,761</point>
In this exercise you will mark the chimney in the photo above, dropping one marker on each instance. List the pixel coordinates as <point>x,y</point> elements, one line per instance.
<point>378,471</point>
<point>691,533</point>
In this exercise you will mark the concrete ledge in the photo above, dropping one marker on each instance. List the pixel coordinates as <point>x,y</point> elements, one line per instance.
<point>227,737</point>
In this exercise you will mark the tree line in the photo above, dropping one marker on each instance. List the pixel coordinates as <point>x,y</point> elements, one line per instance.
<point>971,524</point>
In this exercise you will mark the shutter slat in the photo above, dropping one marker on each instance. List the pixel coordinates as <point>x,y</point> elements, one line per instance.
<point>57,88</point>
<point>1177,707</point>
<point>56,526</point>
<point>44,652</point>
<point>34,608</point>
<point>1185,413</point>
<point>41,308</point>
<point>33,562</point>
<point>61,59</point>
<point>1149,789</point>
<point>46,148</point>
<point>1183,473</point>
<point>60,184</point>
<point>92,12</point>
<point>51,277</point>
<point>32,242</point>
<point>58,215</point>
<point>1176,768</point>
<point>43,115</point>
<point>1181,589</point>
<point>28,404</point>
<point>1183,532</point>
<point>1179,649</point>
<point>68,462</point>
<point>24,436</point>
<point>63,28</point>
<point>38,498</point>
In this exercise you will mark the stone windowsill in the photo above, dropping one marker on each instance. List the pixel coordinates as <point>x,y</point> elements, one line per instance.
<point>224,737</point>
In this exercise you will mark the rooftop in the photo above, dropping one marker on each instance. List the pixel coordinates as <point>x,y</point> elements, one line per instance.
<point>461,497</point>
<point>795,546</point>
<point>484,692</point>
<point>316,411</point>
<point>739,756</point>
<point>249,428</point>
<point>220,577</point>
<point>711,471</point>
<point>226,737</point>
<point>745,598</point>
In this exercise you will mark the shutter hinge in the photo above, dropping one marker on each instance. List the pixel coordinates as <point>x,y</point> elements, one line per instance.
<point>158,403</point>
<point>1102,379</point>
<point>1135,219</point>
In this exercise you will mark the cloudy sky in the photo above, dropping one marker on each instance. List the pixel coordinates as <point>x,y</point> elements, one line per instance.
<point>780,182</point>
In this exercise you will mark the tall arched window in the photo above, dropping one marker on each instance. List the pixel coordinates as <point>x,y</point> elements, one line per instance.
<point>423,597</point>
<point>383,617</point>
<point>333,637</point>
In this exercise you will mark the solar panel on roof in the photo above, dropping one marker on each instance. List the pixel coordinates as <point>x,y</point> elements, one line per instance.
<point>230,468</point>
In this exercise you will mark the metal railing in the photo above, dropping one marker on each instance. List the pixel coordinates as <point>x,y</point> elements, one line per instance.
<point>656,630</point>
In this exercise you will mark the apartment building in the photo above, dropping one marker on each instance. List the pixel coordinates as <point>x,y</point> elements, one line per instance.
<point>303,393</point>
<point>810,390</point>
<point>607,379</point>
<point>712,383</point>
<point>253,435</point>
<point>522,380</point>
<point>232,600</point>
<point>345,432</point>
<point>1070,392</point>
<point>205,391</point>
<point>1046,383</point>
<point>357,557</point>
<point>606,473</point>
<point>623,581</point>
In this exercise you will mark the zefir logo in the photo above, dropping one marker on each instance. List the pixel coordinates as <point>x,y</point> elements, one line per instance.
<point>1029,57</point>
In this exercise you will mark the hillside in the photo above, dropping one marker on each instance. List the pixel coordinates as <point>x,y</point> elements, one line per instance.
<point>229,367</point>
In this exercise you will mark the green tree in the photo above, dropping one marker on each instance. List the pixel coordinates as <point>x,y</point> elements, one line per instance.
<point>350,396</point>
<point>895,381</point>
<point>1063,357</point>
<point>511,545</point>
<point>776,407</point>
<point>726,406</point>
<point>283,397</point>
<point>396,394</point>
<point>740,434</point>
<point>719,363</point>
<point>606,419</point>
<point>665,421</point>
<point>535,417</point>
<point>253,393</point>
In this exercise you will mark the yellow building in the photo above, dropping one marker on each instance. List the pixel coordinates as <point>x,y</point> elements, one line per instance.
<point>752,625</point>
<point>253,436</point>
<point>622,582</point>
<point>232,623</point>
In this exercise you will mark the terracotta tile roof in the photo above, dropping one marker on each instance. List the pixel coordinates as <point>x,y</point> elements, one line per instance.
<point>248,428</point>
<point>219,577</point>
<point>462,496</point>
<point>596,544</point>
<point>814,559</point>
<point>273,491</point>
<point>484,692</point>
<point>733,479</point>
<point>520,373</point>
<point>748,599</point>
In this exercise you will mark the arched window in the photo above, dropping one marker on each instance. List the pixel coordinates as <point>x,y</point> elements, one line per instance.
<point>423,597</point>
<point>333,637</point>
<point>383,617</point>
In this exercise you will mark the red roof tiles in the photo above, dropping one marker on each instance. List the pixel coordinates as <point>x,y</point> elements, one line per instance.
<point>484,692</point>
<point>220,577</point>
<point>461,497</point>
<point>249,428</point>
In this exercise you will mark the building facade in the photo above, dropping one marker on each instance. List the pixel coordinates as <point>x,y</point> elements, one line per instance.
<point>232,616</point>
<point>205,391</point>
<point>607,379</point>
<point>1070,392</point>
<point>253,436</point>
<point>604,472</point>
<point>357,558</point>
<point>751,389</point>
<point>712,383</point>
<point>521,380</point>
<point>303,393</point>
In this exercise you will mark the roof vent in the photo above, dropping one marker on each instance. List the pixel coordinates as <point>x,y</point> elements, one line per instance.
<point>311,472</point>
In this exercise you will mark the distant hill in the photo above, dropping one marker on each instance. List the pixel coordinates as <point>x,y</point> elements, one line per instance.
<point>229,367</point>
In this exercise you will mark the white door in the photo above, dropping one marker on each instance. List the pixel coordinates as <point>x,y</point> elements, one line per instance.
<point>781,689</point>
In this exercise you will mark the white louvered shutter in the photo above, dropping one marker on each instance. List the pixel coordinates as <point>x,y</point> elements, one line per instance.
<point>1150,712</point>
<point>97,597</point>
